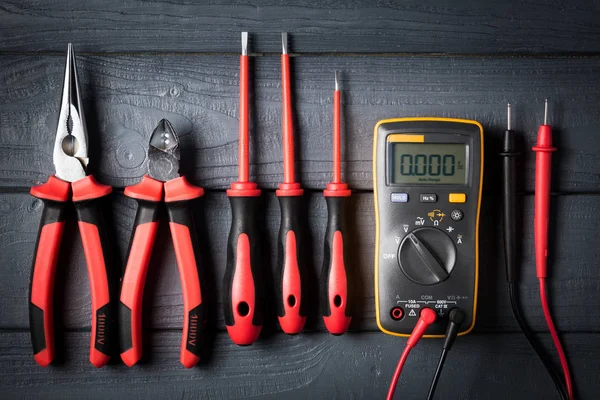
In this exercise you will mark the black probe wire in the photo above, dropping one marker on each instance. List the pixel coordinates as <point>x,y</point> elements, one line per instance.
<point>509,199</point>
<point>455,319</point>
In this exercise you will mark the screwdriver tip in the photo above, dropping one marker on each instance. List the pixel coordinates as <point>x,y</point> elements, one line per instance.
<point>284,42</point>
<point>244,43</point>
<point>337,84</point>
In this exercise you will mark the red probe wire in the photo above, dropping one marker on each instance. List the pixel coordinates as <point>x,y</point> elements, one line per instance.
<point>543,164</point>
<point>427,317</point>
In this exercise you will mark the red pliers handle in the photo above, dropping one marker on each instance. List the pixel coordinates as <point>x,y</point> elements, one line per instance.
<point>86,194</point>
<point>178,196</point>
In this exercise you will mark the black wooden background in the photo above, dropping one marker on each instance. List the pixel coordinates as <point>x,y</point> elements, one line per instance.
<point>142,61</point>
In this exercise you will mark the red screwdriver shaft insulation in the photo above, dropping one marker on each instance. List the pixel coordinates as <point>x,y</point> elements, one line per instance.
<point>287,123</point>
<point>244,128</point>
<point>337,158</point>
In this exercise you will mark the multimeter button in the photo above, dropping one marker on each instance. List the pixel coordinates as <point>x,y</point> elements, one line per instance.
<point>427,256</point>
<point>399,197</point>
<point>456,215</point>
<point>457,198</point>
<point>428,198</point>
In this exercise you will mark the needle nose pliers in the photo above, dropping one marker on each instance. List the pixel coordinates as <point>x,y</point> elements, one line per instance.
<point>70,182</point>
<point>162,183</point>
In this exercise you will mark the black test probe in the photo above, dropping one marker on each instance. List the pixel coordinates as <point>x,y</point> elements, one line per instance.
<point>509,199</point>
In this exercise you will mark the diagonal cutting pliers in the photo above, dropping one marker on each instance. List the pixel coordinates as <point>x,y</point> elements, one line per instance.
<point>70,182</point>
<point>162,183</point>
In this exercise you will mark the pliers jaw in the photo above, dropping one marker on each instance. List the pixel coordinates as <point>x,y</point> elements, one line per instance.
<point>163,152</point>
<point>70,148</point>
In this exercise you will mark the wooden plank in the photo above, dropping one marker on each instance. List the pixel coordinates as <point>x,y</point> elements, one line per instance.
<point>574,273</point>
<point>126,96</point>
<point>488,366</point>
<point>327,26</point>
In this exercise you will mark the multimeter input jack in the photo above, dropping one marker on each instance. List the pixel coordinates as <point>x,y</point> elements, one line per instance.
<point>397,313</point>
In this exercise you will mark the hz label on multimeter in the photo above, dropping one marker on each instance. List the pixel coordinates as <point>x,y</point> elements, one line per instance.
<point>427,175</point>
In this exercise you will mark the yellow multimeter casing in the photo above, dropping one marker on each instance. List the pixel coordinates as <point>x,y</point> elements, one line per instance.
<point>427,178</point>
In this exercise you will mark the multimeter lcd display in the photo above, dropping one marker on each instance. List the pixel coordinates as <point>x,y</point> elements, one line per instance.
<point>429,164</point>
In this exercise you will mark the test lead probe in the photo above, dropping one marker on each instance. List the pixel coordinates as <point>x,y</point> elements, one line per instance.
<point>455,319</point>
<point>509,156</point>
<point>427,317</point>
<point>543,164</point>
<point>334,278</point>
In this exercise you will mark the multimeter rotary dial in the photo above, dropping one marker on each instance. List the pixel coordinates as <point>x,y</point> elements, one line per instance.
<point>427,256</point>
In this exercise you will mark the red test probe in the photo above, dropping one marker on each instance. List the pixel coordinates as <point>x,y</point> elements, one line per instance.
<point>242,283</point>
<point>543,161</point>
<point>334,277</point>
<point>291,299</point>
<point>427,317</point>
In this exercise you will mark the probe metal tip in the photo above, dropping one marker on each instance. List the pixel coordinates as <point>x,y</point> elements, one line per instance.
<point>244,43</point>
<point>337,85</point>
<point>546,112</point>
<point>284,42</point>
<point>508,116</point>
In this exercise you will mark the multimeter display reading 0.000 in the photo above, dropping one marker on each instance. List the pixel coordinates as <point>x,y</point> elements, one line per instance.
<point>429,163</point>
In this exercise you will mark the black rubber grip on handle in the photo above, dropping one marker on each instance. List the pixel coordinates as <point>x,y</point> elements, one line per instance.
<point>509,204</point>
<point>250,292</point>
<point>41,320</point>
<point>100,269</point>
<point>336,210</point>
<point>291,221</point>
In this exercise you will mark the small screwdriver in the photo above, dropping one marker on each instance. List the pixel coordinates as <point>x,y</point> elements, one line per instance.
<point>290,290</point>
<point>243,292</point>
<point>334,278</point>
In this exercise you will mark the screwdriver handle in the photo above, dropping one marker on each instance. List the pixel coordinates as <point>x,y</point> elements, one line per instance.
<point>543,167</point>
<point>54,193</point>
<point>87,195</point>
<point>290,287</point>
<point>243,288</point>
<point>334,289</point>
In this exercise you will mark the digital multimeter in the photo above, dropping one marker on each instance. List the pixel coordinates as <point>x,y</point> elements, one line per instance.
<point>427,175</point>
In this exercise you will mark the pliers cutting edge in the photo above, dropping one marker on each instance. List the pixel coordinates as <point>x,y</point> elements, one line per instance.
<point>162,183</point>
<point>70,182</point>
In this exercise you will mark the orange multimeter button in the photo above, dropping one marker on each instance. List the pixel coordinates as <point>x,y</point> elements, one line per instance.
<point>457,198</point>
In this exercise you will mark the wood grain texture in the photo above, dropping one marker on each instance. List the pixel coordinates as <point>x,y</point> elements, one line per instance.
<point>573,271</point>
<point>330,26</point>
<point>353,366</point>
<point>126,96</point>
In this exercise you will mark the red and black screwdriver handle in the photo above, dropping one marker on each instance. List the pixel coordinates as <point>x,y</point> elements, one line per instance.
<point>86,195</point>
<point>333,283</point>
<point>178,194</point>
<point>243,287</point>
<point>290,287</point>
